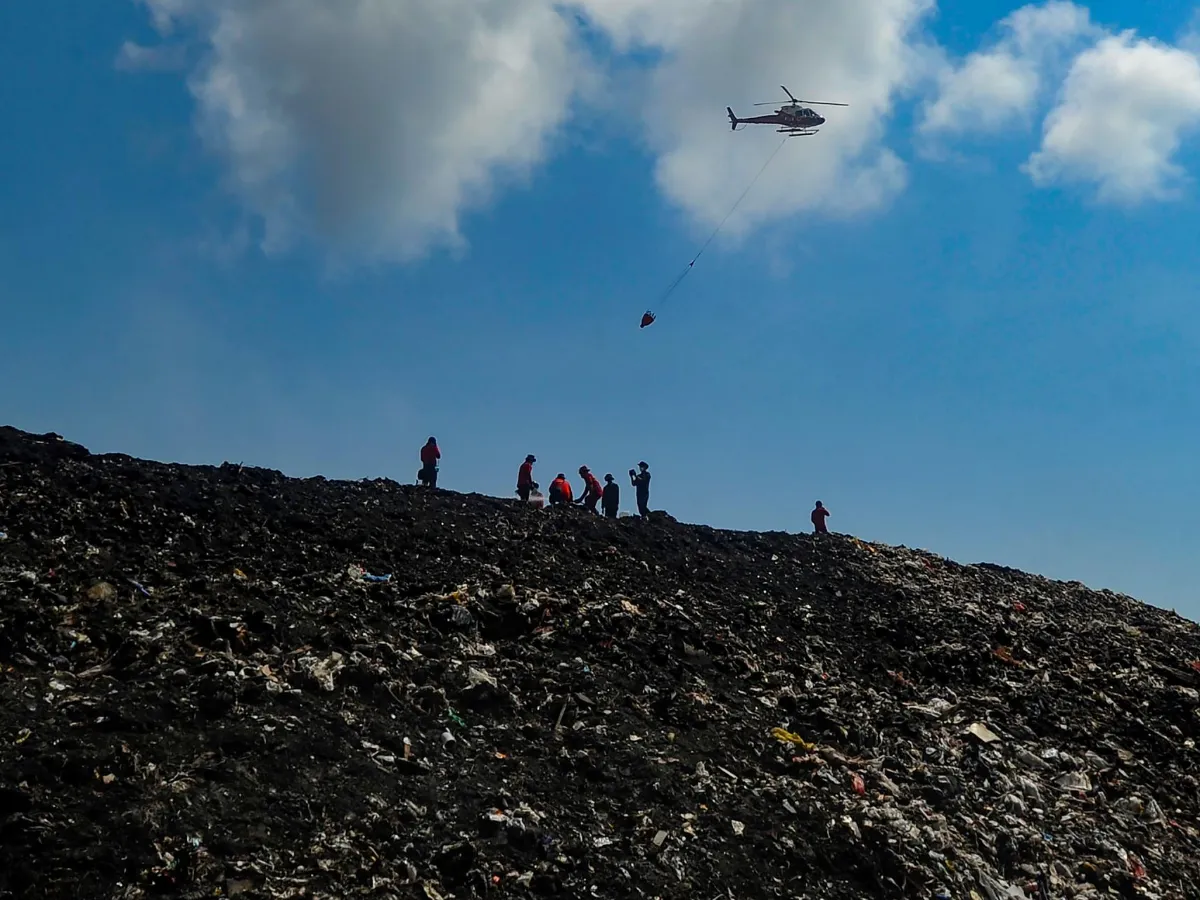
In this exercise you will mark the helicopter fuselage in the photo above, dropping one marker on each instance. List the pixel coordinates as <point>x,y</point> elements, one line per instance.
<point>790,119</point>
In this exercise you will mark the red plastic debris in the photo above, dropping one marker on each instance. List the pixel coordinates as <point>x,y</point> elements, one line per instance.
<point>1136,868</point>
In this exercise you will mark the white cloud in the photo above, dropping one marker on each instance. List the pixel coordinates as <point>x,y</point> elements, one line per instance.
<point>1125,107</point>
<point>1189,39</point>
<point>373,124</point>
<point>998,87</point>
<point>134,57</point>
<point>718,53</point>
<point>164,13</point>
<point>1038,29</point>
<point>987,92</point>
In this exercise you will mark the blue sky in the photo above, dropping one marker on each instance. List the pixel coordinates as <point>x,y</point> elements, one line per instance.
<point>990,361</point>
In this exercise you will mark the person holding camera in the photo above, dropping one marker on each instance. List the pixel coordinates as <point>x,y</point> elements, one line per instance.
<point>640,478</point>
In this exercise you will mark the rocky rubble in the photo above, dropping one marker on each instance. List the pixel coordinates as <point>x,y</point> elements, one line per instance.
<point>210,687</point>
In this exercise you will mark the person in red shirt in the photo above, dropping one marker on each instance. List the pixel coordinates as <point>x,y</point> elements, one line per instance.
<point>819,515</point>
<point>525,483</point>
<point>592,492</point>
<point>560,491</point>
<point>430,454</point>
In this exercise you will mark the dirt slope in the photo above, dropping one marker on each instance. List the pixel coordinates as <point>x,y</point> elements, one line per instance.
<point>201,695</point>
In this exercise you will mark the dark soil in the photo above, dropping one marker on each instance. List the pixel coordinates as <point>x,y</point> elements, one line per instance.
<point>201,696</point>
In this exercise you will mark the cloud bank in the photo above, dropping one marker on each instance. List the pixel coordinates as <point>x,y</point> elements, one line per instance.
<point>374,126</point>
<point>1124,111</point>
<point>998,87</point>
<point>866,53</point>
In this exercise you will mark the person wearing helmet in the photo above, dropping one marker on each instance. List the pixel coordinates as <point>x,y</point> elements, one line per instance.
<point>525,483</point>
<point>430,454</point>
<point>641,483</point>
<point>560,491</point>
<point>612,497</point>
<point>591,490</point>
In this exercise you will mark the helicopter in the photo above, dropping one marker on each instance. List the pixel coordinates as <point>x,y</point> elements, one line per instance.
<point>794,119</point>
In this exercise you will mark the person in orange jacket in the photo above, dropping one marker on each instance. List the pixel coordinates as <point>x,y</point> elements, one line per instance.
<point>430,454</point>
<point>525,483</point>
<point>592,492</point>
<point>560,491</point>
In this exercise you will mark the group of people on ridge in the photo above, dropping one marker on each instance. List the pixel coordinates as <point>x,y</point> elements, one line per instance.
<point>606,496</point>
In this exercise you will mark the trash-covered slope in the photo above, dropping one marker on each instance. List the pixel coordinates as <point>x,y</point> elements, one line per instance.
<point>202,695</point>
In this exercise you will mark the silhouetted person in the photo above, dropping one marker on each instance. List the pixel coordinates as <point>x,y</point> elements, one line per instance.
<point>525,483</point>
<point>819,515</point>
<point>591,489</point>
<point>560,491</point>
<point>430,454</point>
<point>611,503</point>
<point>641,483</point>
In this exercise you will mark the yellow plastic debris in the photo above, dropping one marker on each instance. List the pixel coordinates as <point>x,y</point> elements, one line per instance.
<point>788,737</point>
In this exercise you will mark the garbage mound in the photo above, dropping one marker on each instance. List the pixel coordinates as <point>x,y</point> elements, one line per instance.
<point>222,682</point>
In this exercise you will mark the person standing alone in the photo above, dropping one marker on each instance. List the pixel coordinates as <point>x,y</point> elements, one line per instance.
<point>819,515</point>
<point>430,454</point>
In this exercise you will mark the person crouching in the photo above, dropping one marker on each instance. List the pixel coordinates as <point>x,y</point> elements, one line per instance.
<point>560,491</point>
<point>592,491</point>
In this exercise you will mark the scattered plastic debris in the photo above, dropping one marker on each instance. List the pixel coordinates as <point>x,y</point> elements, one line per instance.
<point>983,733</point>
<point>557,705</point>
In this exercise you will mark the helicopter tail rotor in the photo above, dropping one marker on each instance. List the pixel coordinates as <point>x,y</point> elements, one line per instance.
<point>733,120</point>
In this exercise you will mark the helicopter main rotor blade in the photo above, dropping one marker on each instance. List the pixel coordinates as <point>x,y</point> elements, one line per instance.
<point>789,93</point>
<point>795,102</point>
